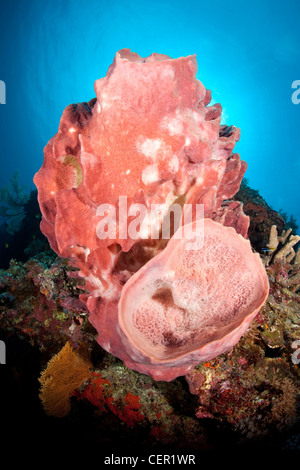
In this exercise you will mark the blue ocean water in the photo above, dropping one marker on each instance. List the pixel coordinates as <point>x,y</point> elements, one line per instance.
<point>248,54</point>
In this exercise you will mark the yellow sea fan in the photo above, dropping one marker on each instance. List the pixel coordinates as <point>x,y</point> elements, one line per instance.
<point>66,371</point>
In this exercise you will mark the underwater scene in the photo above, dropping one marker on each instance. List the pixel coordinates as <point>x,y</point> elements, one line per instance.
<point>150,230</point>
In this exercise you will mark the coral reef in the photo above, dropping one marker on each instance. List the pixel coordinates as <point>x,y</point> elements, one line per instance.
<point>151,119</point>
<point>39,298</point>
<point>250,392</point>
<point>282,247</point>
<point>261,215</point>
<point>159,411</point>
<point>255,386</point>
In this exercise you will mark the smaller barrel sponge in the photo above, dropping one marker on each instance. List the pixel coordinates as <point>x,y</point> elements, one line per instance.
<point>151,138</point>
<point>189,305</point>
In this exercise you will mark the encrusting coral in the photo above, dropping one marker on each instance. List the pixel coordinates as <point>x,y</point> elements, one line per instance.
<point>40,299</point>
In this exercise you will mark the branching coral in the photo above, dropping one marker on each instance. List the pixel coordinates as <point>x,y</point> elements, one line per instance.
<point>283,260</point>
<point>281,247</point>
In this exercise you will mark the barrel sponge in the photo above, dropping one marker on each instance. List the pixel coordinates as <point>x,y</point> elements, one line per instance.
<point>151,137</point>
<point>189,304</point>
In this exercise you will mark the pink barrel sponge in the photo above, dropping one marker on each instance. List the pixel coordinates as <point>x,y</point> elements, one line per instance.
<point>151,139</point>
<point>189,305</point>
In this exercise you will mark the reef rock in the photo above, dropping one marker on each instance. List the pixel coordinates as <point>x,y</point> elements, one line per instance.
<point>149,139</point>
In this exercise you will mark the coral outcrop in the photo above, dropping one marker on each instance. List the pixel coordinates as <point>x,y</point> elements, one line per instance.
<point>261,216</point>
<point>149,139</point>
<point>245,396</point>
